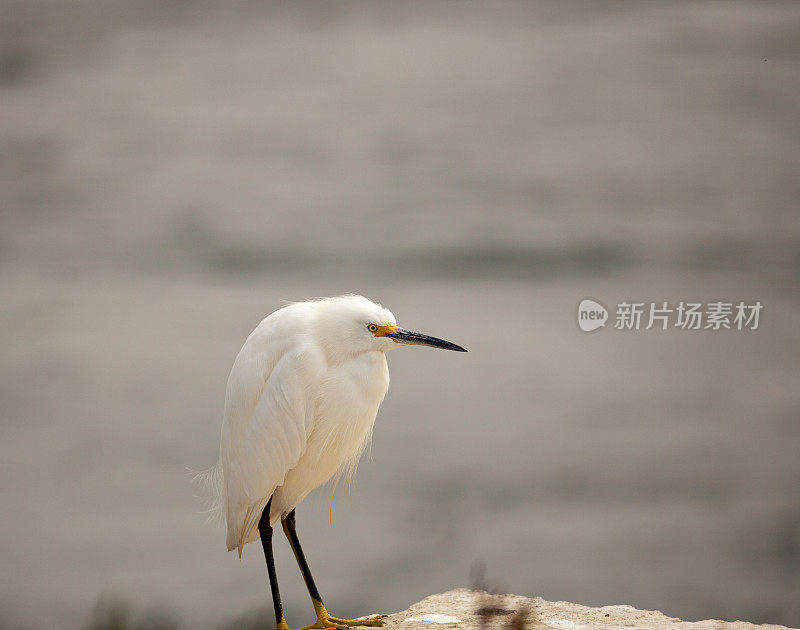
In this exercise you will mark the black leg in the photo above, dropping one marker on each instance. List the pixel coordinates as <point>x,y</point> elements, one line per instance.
<point>324,619</point>
<point>265,529</point>
<point>289,525</point>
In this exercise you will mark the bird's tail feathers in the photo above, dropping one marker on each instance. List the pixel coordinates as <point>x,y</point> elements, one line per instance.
<point>249,530</point>
<point>210,485</point>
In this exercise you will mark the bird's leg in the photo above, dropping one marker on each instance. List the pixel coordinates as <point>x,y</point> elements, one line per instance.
<point>265,530</point>
<point>324,619</point>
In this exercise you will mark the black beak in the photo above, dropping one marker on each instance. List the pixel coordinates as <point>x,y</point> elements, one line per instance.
<point>418,339</point>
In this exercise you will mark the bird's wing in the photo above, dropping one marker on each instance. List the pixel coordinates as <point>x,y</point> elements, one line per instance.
<point>268,417</point>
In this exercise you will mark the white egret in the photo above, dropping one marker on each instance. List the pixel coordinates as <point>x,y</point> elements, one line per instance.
<point>300,404</point>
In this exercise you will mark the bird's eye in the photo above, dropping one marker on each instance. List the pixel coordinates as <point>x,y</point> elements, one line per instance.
<point>372,327</point>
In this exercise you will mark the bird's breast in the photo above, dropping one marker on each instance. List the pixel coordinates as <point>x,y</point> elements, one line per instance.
<point>354,387</point>
<point>345,411</point>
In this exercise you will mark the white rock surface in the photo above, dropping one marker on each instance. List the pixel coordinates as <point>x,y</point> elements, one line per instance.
<point>463,609</point>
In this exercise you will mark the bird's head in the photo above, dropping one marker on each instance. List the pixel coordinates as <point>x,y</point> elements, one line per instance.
<point>353,324</point>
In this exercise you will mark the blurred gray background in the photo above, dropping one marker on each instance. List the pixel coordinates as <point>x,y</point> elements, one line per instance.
<point>171,170</point>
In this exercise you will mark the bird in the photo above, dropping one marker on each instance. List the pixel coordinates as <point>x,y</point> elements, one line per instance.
<point>300,405</point>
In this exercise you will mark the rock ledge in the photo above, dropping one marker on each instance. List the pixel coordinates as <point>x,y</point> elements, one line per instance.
<point>462,609</point>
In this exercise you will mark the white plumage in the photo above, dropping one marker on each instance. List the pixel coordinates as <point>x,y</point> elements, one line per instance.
<point>301,401</point>
<point>300,405</point>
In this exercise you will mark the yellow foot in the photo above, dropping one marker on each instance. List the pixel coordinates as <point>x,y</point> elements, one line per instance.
<point>326,622</point>
<point>375,621</point>
<point>330,623</point>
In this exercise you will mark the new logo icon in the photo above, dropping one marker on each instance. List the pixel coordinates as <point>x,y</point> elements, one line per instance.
<point>591,315</point>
